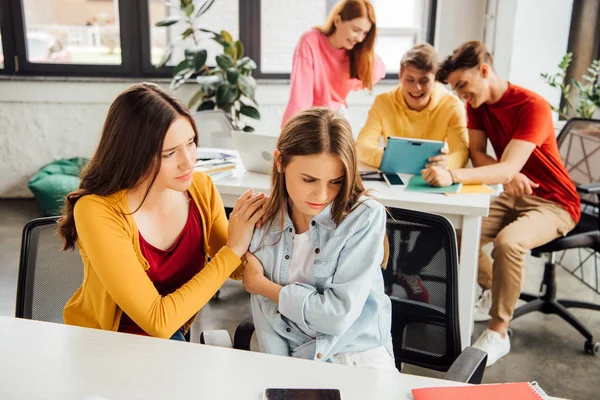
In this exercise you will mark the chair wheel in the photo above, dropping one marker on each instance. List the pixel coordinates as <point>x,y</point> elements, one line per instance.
<point>592,348</point>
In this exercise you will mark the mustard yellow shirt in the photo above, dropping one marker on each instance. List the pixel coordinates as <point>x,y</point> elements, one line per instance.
<point>114,269</point>
<point>443,119</point>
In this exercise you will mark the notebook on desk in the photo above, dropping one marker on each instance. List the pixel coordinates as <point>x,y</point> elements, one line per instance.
<point>418,184</point>
<point>497,391</point>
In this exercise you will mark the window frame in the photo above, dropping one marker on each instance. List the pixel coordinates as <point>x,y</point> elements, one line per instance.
<point>135,43</point>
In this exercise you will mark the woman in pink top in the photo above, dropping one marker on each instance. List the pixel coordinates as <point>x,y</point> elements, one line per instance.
<point>332,60</point>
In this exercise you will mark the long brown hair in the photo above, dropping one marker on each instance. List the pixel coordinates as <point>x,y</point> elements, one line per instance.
<point>315,131</point>
<point>362,56</point>
<point>129,150</point>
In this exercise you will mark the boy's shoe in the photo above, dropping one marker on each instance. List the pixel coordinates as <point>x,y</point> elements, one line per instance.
<point>483,306</point>
<point>493,344</point>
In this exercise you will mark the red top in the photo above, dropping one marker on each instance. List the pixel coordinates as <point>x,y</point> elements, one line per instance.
<point>171,268</point>
<point>524,115</point>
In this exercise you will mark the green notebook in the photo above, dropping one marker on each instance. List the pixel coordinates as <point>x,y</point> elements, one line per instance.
<point>418,184</point>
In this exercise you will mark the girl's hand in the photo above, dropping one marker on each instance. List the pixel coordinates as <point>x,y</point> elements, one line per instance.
<point>248,210</point>
<point>253,273</point>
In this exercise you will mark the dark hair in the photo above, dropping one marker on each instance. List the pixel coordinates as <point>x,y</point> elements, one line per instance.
<point>315,131</point>
<point>423,57</point>
<point>129,150</point>
<point>467,55</point>
<point>362,55</point>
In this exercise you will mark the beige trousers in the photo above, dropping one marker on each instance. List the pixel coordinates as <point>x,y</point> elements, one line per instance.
<point>516,224</point>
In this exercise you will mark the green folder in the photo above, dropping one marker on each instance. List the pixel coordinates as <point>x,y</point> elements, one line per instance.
<point>418,184</point>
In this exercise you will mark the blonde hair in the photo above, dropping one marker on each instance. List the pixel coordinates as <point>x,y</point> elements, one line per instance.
<point>423,57</point>
<point>362,56</point>
<point>315,131</point>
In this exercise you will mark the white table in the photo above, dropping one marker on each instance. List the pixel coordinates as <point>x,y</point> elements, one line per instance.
<point>464,212</point>
<point>42,360</point>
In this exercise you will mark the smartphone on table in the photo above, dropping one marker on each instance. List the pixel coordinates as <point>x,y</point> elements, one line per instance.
<point>392,179</point>
<point>302,394</point>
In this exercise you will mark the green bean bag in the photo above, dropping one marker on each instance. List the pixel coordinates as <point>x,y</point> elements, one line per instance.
<point>51,184</point>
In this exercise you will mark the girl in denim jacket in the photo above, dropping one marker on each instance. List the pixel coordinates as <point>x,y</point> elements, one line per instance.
<point>314,266</point>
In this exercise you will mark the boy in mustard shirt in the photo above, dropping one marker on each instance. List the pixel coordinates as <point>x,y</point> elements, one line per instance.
<point>418,108</point>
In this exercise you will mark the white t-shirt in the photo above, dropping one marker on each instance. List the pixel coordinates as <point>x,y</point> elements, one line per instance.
<point>303,258</point>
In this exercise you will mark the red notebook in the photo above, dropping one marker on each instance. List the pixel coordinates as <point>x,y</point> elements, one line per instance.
<point>496,391</point>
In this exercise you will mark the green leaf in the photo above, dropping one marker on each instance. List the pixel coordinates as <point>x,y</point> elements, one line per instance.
<point>209,84</point>
<point>187,33</point>
<point>227,36</point>
<point>219,39</point>
<point>230,51</point>
<point>239,50</point>
<point>196,58</point>
<point>204,8</point>
<point>172,20</point>
<point>184,65</point>
<point>224,61</point>
<point>226,94</point>
<point>246,63</point>
<point>247,86</point>
<point>181,78</point>
<point>232,75</point>
<point>199,95</point>
<point>206,105</point>
<point>189,9</point>
<point>248,128</point>
<point>250,111</point>
<point>207,31</point>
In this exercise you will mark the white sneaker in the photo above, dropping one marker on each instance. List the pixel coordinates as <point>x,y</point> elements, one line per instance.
<point>493,344</point>
<point>483,306</point>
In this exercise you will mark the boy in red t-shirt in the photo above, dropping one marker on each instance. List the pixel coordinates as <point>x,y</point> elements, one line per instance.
<point>539,202</point>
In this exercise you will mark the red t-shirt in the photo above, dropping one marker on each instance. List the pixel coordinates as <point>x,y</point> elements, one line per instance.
<point>524,115</point>
<point>171,268</point>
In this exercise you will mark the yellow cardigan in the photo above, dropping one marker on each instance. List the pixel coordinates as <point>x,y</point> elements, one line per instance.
<point>443,119</point>
<point>114,269</point>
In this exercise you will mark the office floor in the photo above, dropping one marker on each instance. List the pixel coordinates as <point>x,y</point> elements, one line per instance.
<point>544,348</point>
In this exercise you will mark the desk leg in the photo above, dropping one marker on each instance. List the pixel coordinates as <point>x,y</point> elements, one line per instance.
<point>467,276</point>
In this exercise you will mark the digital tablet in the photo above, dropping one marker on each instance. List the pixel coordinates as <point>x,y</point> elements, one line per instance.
<point>408,156</point>
<point>302,394</point>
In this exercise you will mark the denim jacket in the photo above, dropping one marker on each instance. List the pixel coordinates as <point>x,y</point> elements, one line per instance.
<point>344,300</point>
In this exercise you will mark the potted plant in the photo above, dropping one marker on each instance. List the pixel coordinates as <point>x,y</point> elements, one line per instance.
<point>582,102</point>
<point>229,85</point>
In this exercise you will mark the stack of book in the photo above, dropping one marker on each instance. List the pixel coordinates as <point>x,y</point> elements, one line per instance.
<point>216,165</point>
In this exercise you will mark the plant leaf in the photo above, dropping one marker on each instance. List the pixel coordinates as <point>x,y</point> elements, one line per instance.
<point>219,39</point>
<point>204,8</point>
<point>232,75</point>
<point>227,36</point>
<point>172,20</point>
<point>247,63</point>
<point>206,105</point>
<point>250,111</point>
<point>226,94</point>
<point>247,86</point>
<point>224,61</point>
<point>230,51</point>
<point>248,128</point>
<point>166,57</point>
<point>196,58</point>
<point>189,9</point>
<point>181,67</point>
<point>239,49</point>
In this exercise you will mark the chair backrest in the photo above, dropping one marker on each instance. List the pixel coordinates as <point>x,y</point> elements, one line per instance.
<point>579,145</point>
<point>214,129</point>
<point>48,276</point>
<point>425,332</point>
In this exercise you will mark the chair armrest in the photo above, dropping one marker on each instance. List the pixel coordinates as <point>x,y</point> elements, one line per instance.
<point>590,188</point>
<point>215,337</point>
<point>243,334</point>
<point>468,367</point>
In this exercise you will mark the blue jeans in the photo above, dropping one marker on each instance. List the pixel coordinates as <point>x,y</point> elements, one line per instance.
<point>178,335</point>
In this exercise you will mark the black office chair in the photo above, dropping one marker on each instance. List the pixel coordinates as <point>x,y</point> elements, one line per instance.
<point>48,275</point>
<point>579,144</point>
<point>423,334</point>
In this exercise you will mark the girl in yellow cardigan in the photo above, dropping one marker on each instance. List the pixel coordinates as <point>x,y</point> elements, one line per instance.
<point>419,108</point>
<point>145,223</point>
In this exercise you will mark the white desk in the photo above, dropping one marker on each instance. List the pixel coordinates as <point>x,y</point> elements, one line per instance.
<point>464,212</point>
<point>41,360</point>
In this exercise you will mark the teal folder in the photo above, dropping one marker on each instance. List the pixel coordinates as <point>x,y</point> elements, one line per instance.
<point>418,184</point>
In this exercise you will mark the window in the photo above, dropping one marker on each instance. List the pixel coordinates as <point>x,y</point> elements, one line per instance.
<point>94,38</point>
<point>223,15</point>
